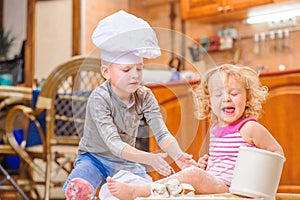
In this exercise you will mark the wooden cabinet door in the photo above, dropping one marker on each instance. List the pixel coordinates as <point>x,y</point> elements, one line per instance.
<point>203,8</point>
<point>281,118</point>
<point>244,4</point>
<point>198,8</point>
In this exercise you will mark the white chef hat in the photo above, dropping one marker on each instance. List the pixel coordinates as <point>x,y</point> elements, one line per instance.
<point>125,39</point>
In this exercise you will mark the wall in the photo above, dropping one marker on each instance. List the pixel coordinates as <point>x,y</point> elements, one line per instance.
<point>171,38</point>
<point>53,35</point>
<point>15,22</point>
<point>93,12</point>
<point>53,31</point>
<point>157,13</point>
<point>269,56</point>
<point>158,16</point>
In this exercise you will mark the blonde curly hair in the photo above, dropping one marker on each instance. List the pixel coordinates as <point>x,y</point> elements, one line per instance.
<point>256,93</point>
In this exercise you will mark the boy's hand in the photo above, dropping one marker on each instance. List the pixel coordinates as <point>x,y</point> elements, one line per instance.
<point>157,161</point>
<point>203,161</point>
<point>186,160</point>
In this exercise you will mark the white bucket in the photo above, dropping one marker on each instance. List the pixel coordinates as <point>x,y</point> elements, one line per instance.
<point>257,173</point>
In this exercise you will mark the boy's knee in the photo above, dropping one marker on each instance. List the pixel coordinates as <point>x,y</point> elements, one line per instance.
<point>79,189</point>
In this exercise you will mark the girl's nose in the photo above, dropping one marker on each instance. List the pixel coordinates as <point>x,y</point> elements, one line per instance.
<point>227,97</point>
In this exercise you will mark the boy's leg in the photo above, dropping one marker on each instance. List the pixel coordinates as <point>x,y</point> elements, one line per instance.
<point>79,189</point>
<point>84,179</point>
<point>124,177</point>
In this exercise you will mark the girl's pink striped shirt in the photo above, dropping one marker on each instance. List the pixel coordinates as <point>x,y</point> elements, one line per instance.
<point>223,150</point>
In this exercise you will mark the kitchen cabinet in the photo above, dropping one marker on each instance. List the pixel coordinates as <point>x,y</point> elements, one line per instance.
<point>281,118</point>
<point>198,8</point>
<point>204,8</point>
<point>177,107</point>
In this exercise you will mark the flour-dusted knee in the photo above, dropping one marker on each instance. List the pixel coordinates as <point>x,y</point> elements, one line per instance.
<point>204,182</point>
<point>192,172</point>
<point>79,189</point>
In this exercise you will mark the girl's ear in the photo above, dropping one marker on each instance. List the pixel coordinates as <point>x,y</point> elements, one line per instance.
<point>248,100</point>
<point>105,72</point>
<point>209,103</point>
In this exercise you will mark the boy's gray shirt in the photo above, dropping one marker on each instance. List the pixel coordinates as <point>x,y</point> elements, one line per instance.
<point>110,124</point>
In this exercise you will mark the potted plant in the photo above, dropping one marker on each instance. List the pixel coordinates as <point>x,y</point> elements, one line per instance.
<point>6,42</point>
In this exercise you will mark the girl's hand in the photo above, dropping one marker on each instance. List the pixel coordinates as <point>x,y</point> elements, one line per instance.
<point>186,160</point>
<point>202,162</point>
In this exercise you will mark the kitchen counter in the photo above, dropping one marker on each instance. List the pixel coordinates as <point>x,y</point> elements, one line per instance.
<point>276,73</point>
<point>206,197</point>
<point>279,196</point>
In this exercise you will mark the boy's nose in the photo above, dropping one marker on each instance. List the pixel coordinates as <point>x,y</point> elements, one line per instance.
<point>134,72</point>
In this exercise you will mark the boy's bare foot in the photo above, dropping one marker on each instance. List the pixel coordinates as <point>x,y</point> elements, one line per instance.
<point>122,191</point>
<point>126,191</point>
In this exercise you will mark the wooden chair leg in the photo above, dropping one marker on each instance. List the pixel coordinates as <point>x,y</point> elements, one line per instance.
<point>48,177</point>
<point>15,185</point>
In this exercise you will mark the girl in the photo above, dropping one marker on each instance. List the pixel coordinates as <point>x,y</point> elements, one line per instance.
<point>231,96</point>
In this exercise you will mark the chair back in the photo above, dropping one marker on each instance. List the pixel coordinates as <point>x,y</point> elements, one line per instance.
<point>58,120</point>
<point>64,96</point>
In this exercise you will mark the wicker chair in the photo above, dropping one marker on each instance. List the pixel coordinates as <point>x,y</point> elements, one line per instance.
<point>10,96</point>
<point>58,117</point>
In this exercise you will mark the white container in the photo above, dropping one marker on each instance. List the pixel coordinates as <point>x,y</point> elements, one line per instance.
<point>257,173</point>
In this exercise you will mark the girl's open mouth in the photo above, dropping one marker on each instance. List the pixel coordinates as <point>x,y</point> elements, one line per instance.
<point>228,110</point>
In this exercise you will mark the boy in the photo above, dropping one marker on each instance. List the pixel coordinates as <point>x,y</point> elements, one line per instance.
<point>116,107</point>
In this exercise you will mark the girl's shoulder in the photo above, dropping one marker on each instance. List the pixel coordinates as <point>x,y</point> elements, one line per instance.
<point>252,130</point>
<point>232,128</point>
<point>241,123</point>
<point>252,126</point>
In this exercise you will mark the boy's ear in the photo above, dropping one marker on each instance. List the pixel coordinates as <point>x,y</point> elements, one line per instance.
<point>105,71</point>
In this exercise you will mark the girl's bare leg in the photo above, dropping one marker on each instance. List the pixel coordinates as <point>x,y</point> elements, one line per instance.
<point>203,182</point>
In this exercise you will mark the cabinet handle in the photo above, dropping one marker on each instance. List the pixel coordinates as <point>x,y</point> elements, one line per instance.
<point>228,8</point>
<point>220,8</point>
